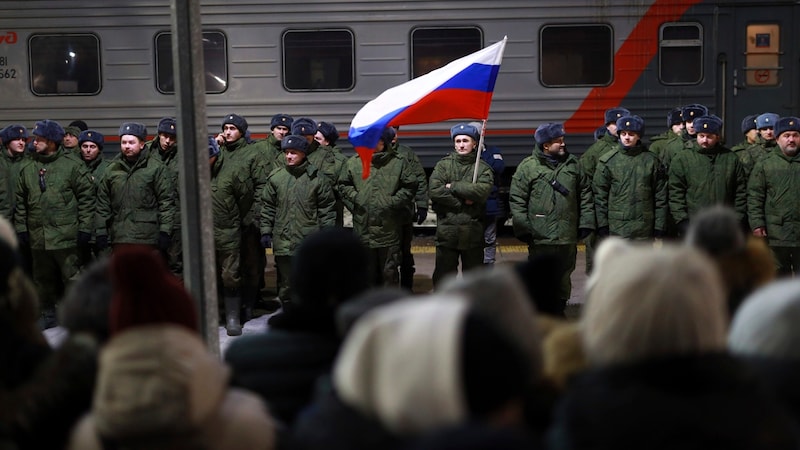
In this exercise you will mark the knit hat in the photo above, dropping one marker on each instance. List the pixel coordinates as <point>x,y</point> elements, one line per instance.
<point>167,125</point>
<point>547,132</point>
<point>634,124</point>
<point>766,120</point>
<point>613,114</point>
<point>749,123</point>
<point>237,121</point>
<point>80,124</point>
<point>133,129</point>
<point>48,129</point>
<point>328,131</point>
<point>708,124</point>
<point>73,131</point>
<point>785,124</point>
<point>765,325</point>
<point>91,136</point>
<point>213,147</point>
<point>693,111</point>
<point>304,127</point>
<point>674,117</point>
<point>281,119</point>
<point>293,142</point>
<point>13,132</point>
<point>145,292</point>
<point>465,129</point>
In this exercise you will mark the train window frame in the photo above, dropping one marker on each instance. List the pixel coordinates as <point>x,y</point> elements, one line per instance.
<point>589,53</point>
<point>33,61</point>
<point>218,71</point>
<point>665,43</point>
<point>443,58</point>
<point>287,69</point>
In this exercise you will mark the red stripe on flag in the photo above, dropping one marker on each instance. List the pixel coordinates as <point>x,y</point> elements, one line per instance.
<point>438,106</point>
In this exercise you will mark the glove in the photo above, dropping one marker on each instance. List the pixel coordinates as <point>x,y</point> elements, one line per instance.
<point>101,242</point>
<point>583,232</point>
<point>84,238</point>
<point>422,213</point>
<point>603,232</point>
<point>24,238</point>
<point>682,227</point>
<point>266,240</point>
<point>658,234</point>
<point>164,241</point>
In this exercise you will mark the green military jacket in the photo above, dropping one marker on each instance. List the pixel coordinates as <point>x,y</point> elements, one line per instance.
<point>246,157</point>
<point>669,147</point>
<point>54,201</point>
<point>296,202</point>
<point>460,208</point>
<point>761,149</point>
<point>9,174</point>
<point>540,213</point>
<point>773,198</point>
<point>699,178</point>
<point>136,201</point>
<point>380,203</point>
<point>269,150</point>
<point>740,150</point>
<point>231,200</point>
<point>97,168</point>
<point>415,166</point>
<point>630,193</point>
<point>588,160</point>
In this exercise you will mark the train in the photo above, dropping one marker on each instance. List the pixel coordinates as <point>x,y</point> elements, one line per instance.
<point>565,61</point>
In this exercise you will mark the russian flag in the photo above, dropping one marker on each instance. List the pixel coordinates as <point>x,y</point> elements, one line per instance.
<point>460,90</point>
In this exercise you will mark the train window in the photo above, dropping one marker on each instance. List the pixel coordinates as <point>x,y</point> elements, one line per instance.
<point>318,60</point>
<point>576,55</point>
<point>215,62</point>
<point>432,48</point>
<point>64,64</point>
<point>763,55</point>
<point>680,53</point>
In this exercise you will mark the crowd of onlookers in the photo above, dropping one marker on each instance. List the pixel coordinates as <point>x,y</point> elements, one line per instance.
<point>685,344</point>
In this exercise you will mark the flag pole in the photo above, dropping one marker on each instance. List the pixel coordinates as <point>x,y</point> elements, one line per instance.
<point>478,153</point>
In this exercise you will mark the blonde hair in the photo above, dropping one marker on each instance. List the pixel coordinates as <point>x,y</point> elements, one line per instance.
<point>654,302</point>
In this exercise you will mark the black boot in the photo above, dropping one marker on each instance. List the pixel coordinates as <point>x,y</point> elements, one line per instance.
<point>407,278</point>
<point>249,296</point>
<point>232,304</point>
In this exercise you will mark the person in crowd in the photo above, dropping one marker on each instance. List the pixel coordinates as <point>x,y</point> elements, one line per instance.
<point>380,205</point>
<point>654,336</point>
<point>689,113</point>
<point>551,203</point>
<point>495,210</point>
<point>773,199</point>
<point>296,201</point>
<point>629,187</point>
<point>669,143</point>
<point>705,175</point>
<point>12,154</point>
<point>458,198</point>
<point>766,136</point>
<point>157,385</point>
<point>750,133</point>
<point>91,152</point>
<point>70,140</point>
<point>165,148</point>
<point>270,148</point>
<point>136,196</point>
<point>327,135</point>
<point>55,206</point>
<point>588,162</point>
<point>282,366</point>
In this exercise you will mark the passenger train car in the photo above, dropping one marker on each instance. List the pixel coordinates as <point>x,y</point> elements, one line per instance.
<point>106,62</point>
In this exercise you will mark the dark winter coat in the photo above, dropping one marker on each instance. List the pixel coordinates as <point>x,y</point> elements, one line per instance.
<point>773,198</point>
<point>493,157</point>
<point>231,200</point>
<point>9,174</point>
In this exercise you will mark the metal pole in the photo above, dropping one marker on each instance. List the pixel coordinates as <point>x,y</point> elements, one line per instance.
<point>194,173</point>
<point>478,153</point>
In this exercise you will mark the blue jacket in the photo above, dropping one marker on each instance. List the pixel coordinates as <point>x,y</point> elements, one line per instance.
<point>493,157</point>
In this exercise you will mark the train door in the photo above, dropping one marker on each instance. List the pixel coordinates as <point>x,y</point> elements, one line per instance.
<point>762,70</point>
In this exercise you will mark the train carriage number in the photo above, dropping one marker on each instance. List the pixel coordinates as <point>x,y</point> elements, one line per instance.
<point>9,38</point>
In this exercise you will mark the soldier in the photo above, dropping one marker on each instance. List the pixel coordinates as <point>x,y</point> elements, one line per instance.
<point>551,203</point>
<point>91,144</point>
<point>165,148</point>
<point>670,142</point>
<point>459,204</point>
<point>380,206</point>
<point>14,139</point>
<point>689,113</point>
<point>750,133</point>
<point>270,148</point>
<point>326,136</point>
<point>588,162</point>
<point>766,137</point>
<point>773,201</point>
<point>707,174</point>
<point>136,196</point>
<point>53,214</point>
<point>70,141</point>
<point>297,200</point>
<point>318,155</point>
<point>629,187</point>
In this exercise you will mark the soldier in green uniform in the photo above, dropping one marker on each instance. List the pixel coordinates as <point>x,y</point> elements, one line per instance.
<point>380,206</point>
<point>670,141</point>
<point>750,133</point>
<point>705,175</point>
<point>629,187</point>
<point>53,213</point>
<point>14,139</point>
<point>90,143</point>
<point>326,136</point>
<point>689,113</point>
<point>766,137</point>
<point>136,196</point>
<point>773,200</point>
<point>70,142</point>
<point>459,204</point>
<point>165,148</point>
<point>551,202</point>
<point>269,148</point>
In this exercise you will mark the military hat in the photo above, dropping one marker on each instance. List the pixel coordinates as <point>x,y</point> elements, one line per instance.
<point>72,130</point>
<point>167,125</point>
<point>295,142</point>
<point>281,119</point>
<point>787,124</point>
<point>599,132</point>
<point>48,129</point>
<point>237,121</point>
<point>693,111</point>
<point>304,127</point>
<point>134,129</point>
<point>328,131</point>
<point>613,114</point>
<point>674,117</point>
<point>766,120</point>
<point>547,132</point>
<point>91,136</point>
<point>13,132</point>
<point>465,129</point>
<point>634,124</point>
<point>708,124</point>
<point>749,123</point>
